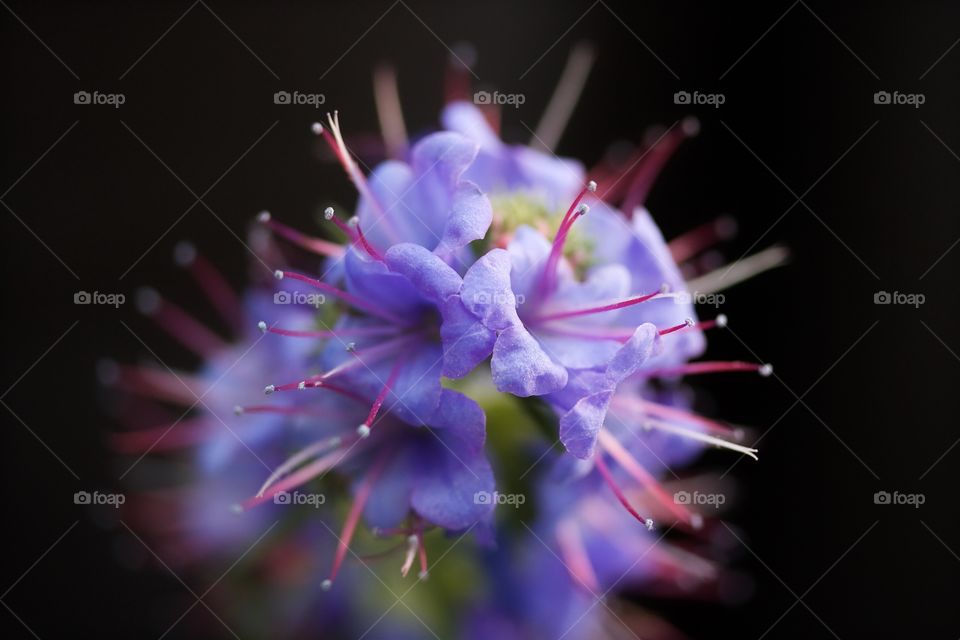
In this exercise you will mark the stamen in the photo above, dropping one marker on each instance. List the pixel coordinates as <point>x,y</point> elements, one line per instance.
<point>335,140</point>
<point>350,524</point>
<point>353,231</point>
<point>701,437</point>
<point>695,368</point>
<point>302,475</point>
<point>648,167</point>
<point>740,270</point>
<point>608,478</point>
<point>151,382</point>
<point>619,453</point>
<point>291,463</point>
<point>575,555</point>
<point>339,333</point>
<point>702,238</point>
<point>340,293</point>
<point>628,302</point>
<point>315,245</point>
<point>564,98</point>
<point>178,323</point>
<point>456,82</point>
<point>547,281</point>
<point>364,429</point>
<point>389,111</point>
<point>689,322</point>
<point>211,281</point>
<point>676,414</point>
<point>413,543</point>
<point>166,437</point>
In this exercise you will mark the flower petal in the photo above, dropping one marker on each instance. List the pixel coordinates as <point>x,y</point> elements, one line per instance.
<point>521,367</point>
<point>579,426</point>
<point>466,341</point>
<point>430,276</point>
<point>486,291</point>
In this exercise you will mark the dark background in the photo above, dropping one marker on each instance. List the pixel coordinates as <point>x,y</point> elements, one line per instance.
<point>865,395</point>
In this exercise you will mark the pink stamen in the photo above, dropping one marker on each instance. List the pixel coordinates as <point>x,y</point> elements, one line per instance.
<point>165,437</point>
<point>350,524</point>
<point>575,555</point>
<point>683,325</point>
<point>340,293</point>
<point>547,281</point>
<point>315,245</point>
<point>302,475</point>
<point>652,162</point>
<point>423,556</point>
<point>618,492</point>
<point>702,238</point>
<point>353,231</point>
<point>180,325</point>
<point>182,389</point>
<point>344,332</point>
<point>619,453</point>
<point>686,416</point>
<point>364,429</point>
<point>592,310</point>
<point>694,368</point>
<point>211,281</point>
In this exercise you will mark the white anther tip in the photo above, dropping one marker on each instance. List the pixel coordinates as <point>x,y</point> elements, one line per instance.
<point>147,300</point>
<point>354,221</point>
<point>351,347</point>
<point>649,524</point>
<point>262,326</point>
<point>664,288</point>
<point>301,385</point>
<point>327,584</point>
<point>412,539</point>
<point>317,128</point>
<point>263,216</point>
<point>236,508</point>
<point>721,320</point>
<point>696,521</point>
<point>328,213</point>
<point>184,253</point>
<point>238,410</point>
<point>591,186</point>
<point>363,431</point>
<point>690,126</point>
<point>689,322</point>
<point>583,209</point>
<point>766,370</point>
<point>278,274</point>
<point>423,575</point>
<point>269,389</point>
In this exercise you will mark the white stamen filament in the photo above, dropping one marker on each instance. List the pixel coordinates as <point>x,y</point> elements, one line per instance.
<point>701,437</point>
<point>744,269</point>
<point>311,451</point>
<point>564,98</point>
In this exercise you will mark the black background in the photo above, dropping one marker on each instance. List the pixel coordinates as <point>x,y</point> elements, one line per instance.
<point>877,384</point>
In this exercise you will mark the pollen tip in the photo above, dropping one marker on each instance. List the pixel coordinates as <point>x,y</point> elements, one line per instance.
<point>327,584</point>
<point>591,186</point>
<point>649,524</point>
<point>363,431</point>
<point>689,322</point>
<point>278,274</point>
<point>317,128</point>
<point>766,370</point>
<point>262,326</point>
<point>237,410</point>
<point>328,213</point>
<point>690,126</point>
<point>184,253</point>
<point>696,521</point>
<point>351,347</point>
<point>147,300</point>
<point>412,539</point>
<point>423,575</point>
<point>263,216</point>
<point>301,385</point>
<point>721,320</point>
<point>236,508</point>
<point>664,288</point>
<point>354,222</point>
<point>269,389</point>
<point>583,209</point>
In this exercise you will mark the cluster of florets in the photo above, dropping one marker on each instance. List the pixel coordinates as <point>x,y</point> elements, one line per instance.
<point>465,258</point>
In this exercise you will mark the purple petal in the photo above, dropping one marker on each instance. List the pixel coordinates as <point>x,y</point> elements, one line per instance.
<point>466,342</point>
<point>448,482</point>
<point>521,367</point>
<point>579,426</point>
<point>461,417</point>
<point>470,217</point>
<point>486,291</point>
<point>431,277</point>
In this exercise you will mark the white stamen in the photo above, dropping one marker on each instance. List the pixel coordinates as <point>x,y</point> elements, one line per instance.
<point>269,389</point>
<point>766,370</point>
<point>649,524</point>
<point>237,410</point>
<point>363,431</point>
<point>302,385</point>
<point>583,209</point>
<point>721,320</point>
<point>351,347</point>
<point>236,508</point>
<point>278,274</point>
<point>701,437</point>
<point>263,216</point>
<point>328,213</point>
<point>326,584</point>
<point>592,186</point>
<point>726,277</point>
<point>262,326</point>
<point>317,128</point>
